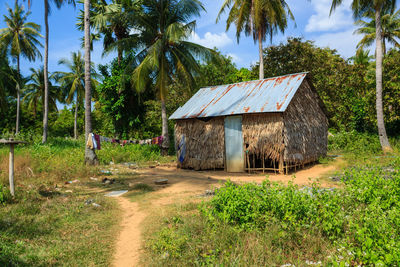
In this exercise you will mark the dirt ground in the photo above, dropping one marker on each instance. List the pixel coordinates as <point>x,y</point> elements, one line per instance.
<point>181,185</point>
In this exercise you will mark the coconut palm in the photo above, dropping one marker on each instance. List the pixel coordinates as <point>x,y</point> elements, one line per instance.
<point>362,8</point>
<point>34,91</point>
<point>20,38</point>
<point>257,18</point>
<point>113,21</point>
<point>73,82</point>
<point>90,155</point>
<point>390,30</point>
<point>166,27</point>
<point>58,4</point>
<point>362,57</point>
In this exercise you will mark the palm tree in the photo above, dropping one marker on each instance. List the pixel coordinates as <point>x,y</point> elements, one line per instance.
<point>390,30</point>
<point>362,57</point>
<point>90,155</point>
<point>113,21</point>
<point>167,53</point>
<point>362,8</point>
<point>34,91</point>
<point>257,18</point>
<point>58,3</point>
<point>20,38</point>
<point>73,82</point>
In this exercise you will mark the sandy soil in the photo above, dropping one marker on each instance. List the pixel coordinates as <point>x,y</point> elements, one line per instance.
<point>129,241</point>
<point>183,184</point>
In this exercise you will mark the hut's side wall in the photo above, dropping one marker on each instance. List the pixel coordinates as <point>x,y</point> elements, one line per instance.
<point>263,134</point>
<point>305,127</point>
<point>204,143</point>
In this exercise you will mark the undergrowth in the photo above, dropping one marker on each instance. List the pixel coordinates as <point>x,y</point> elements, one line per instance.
<point>357,223</point>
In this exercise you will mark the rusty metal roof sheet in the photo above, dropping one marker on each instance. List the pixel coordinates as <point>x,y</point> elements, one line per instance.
<point>268,95</point>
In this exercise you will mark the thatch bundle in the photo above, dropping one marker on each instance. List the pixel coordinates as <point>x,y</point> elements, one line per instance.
<point>305,128</point>
<point>204,141</point>
<point>263,135</point>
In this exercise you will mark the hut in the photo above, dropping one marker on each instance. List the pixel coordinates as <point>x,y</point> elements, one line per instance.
<point>272,124</point>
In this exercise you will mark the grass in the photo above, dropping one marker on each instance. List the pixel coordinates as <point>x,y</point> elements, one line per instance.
<point>274,225</point>
<point>52,223</point>
<point>182,237</point>
<point>58,230</point>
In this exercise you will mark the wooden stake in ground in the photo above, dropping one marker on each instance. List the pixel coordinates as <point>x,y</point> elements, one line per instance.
<point>11,142</point>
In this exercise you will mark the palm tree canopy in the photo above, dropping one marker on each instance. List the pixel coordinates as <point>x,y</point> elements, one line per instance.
<point>34,90</point>
<point>114,21</point>
<point>73,81</point>
<point>362,57</point>
<point>167,26</point>
<point>362,8</point>
<point>20,37</point>
<point>390,29</point>
<point>255,17</point>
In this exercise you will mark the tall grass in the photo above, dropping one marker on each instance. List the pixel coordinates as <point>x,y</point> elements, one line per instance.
<point>48,223</point>
<point>62,159</point>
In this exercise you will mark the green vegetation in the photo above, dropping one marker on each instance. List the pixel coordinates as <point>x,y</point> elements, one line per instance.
<point>356,222</point>
<point>50,222</point>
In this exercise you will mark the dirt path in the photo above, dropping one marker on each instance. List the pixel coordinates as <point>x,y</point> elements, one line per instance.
<point>181,185</point>
<point>129,241</point>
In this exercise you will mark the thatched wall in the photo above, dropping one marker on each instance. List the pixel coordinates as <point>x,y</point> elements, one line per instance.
<point>305,127</point>
<point>263,134</point>
<point>204,141</point>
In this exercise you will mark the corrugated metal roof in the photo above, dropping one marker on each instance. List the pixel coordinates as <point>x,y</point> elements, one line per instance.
<point>268,95</point>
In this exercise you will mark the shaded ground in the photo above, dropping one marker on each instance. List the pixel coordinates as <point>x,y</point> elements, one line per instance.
<point>183,186</point>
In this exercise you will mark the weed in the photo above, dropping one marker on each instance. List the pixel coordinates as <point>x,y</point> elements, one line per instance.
<point>143,187</point>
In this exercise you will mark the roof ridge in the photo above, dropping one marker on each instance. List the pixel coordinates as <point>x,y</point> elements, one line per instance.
<point>291,74</point>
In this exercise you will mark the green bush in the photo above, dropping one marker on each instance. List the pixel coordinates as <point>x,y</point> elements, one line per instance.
<point>363,216</point>
<point>354,141</point>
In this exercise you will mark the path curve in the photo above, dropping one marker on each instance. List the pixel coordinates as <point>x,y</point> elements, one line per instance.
<point>184,183</point>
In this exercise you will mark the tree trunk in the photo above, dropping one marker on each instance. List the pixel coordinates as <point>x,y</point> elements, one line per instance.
<point>76,119</point>
<point>164,121</point>
<point>45,71</point>
<point>119,55</point>
<point>379,106</point>
<point>18,98</point>
<point>90,155</point>
<point>260,51</point>
<point>384,46</point>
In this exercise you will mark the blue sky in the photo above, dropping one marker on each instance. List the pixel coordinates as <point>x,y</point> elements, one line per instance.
<point>312,20</point>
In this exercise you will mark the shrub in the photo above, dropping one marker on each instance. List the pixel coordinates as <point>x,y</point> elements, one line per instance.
<point>363,216</point>
<point>354,142</point>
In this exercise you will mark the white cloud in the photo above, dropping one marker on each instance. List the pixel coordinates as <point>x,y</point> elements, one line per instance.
<point>341,18</point>
<point>211,40</point>
<point>235,58</point>
<point>344,42</point>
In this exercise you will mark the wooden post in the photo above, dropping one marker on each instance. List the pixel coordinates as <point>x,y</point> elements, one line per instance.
<point>11,142</point>
<point>263,163</point>
<point>281,166</point>
<point>11,170</point>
